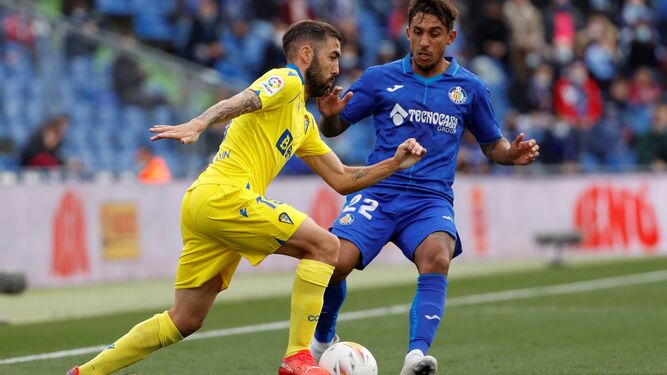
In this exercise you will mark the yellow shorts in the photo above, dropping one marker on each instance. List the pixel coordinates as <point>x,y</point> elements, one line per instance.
<point>220,224</point>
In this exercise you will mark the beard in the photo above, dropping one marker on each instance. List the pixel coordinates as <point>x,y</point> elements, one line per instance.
<point>318,85</point>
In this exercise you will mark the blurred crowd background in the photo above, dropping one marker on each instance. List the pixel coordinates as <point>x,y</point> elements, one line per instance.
<point>83,80</point>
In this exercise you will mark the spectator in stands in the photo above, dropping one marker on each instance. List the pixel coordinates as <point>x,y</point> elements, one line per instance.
<point>491,28</point>
<point>652,146</point>
<point>540,89</point>
<point>642,46</point>
<point>202,44</point>
<point>129,78</point>
<point>644,89</point>
<point>77,45</point>
<point>617,120</point>
<point>561,20</point>
<point>599,42</point>
<point>43,149</point>
<point>526,34</point>
<point>154,169</point>
<point>577,98</point>
<point>296,10</point>
<point>246,48</point>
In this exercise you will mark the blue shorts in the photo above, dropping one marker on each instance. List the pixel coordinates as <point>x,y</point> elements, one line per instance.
<point>373,217</point>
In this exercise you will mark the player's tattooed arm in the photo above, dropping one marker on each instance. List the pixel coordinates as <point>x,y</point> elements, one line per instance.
<point>359,173</point>
<point>244,102</point>
<point>346,180</point>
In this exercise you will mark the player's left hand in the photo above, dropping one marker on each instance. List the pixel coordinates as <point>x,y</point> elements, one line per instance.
<point>331,104</point>
<point>186,133</point>
<point>409,153</point>
<point>523,152</point>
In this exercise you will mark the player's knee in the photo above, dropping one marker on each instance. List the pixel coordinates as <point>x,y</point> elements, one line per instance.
<point>325,248</point>
<point>191,325</point>
<point>186,324</point>
<point>440,263</point>
<point>434,262</point>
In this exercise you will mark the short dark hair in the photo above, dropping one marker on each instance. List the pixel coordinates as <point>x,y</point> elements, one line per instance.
<point>442,9</point>
<point>307,31</point>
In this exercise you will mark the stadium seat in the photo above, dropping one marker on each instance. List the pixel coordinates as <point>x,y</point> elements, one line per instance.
<point>115,7</point>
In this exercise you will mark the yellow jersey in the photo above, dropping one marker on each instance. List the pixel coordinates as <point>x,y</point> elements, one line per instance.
<point>258,144</point>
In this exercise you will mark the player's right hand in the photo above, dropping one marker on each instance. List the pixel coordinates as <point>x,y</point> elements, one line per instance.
<point>409,153</point>
<point>186,133</point>
<point>331,104</point>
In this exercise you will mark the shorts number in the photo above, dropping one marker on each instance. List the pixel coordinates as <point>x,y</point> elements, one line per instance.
<point>365,209</point>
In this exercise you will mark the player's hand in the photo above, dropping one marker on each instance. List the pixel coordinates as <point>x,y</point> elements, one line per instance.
<point>409,153</point>
<point>186,133</point>
<point>331,104</point>
<point>523,152</point>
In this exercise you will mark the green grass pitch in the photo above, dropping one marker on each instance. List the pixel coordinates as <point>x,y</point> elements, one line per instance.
<point>619,329</point>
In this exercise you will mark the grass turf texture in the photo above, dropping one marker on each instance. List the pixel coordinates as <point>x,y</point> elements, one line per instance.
<point>620,330</point>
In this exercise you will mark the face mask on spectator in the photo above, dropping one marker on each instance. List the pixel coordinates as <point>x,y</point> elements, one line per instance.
<point>643,34</point>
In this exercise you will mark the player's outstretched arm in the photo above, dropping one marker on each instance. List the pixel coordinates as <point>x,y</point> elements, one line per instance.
<point>244,102</point>
<point>519,152</point>
<point>346,180</point>
<point>330,106</point>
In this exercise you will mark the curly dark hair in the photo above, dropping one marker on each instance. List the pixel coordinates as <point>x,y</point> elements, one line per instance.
<point>442,9</point>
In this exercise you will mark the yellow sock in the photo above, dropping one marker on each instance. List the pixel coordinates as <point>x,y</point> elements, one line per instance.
<point>143,339</point>
<point>312,278</point>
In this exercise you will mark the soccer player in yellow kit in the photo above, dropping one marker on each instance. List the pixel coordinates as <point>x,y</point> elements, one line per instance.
<point>225,215</point>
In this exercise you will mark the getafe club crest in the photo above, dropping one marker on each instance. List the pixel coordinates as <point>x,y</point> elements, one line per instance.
<point>457,95</point>
<point>346,220</point>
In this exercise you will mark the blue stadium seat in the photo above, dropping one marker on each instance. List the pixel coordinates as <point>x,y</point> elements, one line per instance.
<point>125,160</point>
<point>153,27</point>
<point>19,133</point>
<point>115,7</point>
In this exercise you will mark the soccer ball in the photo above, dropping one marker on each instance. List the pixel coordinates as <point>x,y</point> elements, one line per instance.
<point>348,358</point>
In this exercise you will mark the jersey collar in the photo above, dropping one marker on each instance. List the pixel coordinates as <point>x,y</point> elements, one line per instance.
<point>294,67</point>
<point>451,70</point>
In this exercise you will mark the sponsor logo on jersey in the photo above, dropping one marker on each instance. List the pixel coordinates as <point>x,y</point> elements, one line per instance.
<point>284,144</point>
<point>394,88</point>
<point>346,220</point>
<point>398,115</point>
<point>457,95</point>
<point>445,123</point>
<point>272,85</point>
<point>284,218</point>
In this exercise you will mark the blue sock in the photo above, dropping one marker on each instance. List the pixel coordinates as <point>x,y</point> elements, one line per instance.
<point>427,310</point>
<point>333,300</point>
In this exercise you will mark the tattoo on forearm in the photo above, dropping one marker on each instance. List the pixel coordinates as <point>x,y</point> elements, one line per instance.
<point>359,173</point>
<point>243,102</point>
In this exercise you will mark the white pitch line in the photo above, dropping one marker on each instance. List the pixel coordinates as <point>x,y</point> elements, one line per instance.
<point>475,299</point>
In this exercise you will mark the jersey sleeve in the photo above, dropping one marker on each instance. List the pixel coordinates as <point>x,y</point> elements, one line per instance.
<point>312,145</point>
<point>483,123</point>
<point>363,102</point>
<point>277,87</point>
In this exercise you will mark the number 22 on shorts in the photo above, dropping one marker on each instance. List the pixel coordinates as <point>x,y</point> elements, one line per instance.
<point>365,209</point>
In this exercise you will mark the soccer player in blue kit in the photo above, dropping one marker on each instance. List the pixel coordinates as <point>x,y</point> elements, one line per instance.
<point>433,99</point>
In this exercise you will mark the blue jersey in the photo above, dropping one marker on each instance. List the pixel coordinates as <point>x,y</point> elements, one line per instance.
<point>434,110</point>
